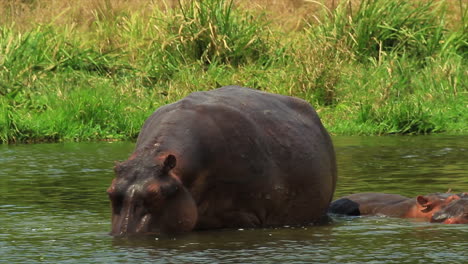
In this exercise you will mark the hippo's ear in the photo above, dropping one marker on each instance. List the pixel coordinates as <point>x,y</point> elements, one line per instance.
<point>117,167</point>
<point>169,163</point>
<point>425,204</point>
<point>422,200</point>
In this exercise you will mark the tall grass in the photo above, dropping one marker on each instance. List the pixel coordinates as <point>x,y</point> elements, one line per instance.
<point>212,32</point>
<point>97,70</point>
<point>377,28</point>
<point>407,65</point>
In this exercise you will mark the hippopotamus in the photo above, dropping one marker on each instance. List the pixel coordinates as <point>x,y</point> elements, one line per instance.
<point>392,205</point>
<point>456,212</point>
<point>232,157</point>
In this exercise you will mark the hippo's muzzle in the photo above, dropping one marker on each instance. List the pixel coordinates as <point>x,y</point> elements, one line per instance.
<point>130,217</point>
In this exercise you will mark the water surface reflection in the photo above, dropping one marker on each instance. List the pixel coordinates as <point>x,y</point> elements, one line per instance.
<point>53,209</point>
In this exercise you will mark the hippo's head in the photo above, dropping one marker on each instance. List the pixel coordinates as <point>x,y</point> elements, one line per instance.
<point>147,197</point>
<point>430,204</point>
<point>456,212</point>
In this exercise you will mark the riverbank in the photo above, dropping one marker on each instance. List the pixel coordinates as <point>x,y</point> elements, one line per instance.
<point>90,71</point>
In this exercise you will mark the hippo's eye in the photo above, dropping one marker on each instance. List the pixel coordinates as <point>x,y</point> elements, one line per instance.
<point>120,170</point>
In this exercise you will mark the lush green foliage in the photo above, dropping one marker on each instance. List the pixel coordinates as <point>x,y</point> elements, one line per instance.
<point>382,67</point>
<point>211,32</point>
<point>381,27</point>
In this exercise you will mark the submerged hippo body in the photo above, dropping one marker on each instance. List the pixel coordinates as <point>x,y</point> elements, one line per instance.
<point>392,205</point>
<point>231,157</point>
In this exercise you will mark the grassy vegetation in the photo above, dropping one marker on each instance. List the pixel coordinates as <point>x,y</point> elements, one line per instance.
<point>87,70</point>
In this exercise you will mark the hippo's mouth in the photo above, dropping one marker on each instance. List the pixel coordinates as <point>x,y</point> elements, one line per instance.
<point>125,226</point>
<point>144,225</point>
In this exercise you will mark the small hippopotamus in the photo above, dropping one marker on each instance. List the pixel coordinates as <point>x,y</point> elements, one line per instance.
<point>456,212</point>
<point>227,158</point>
<point>392,205</point>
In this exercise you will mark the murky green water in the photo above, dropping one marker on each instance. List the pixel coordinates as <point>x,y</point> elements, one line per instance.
<point>54,209</point>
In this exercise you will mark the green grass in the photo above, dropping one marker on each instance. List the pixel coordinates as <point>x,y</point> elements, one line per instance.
<point>378,27</point>
<point>381,67</point>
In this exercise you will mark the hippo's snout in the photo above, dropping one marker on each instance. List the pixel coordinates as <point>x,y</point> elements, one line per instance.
<point>438,218</point>
<point>129,216</point>
<point>456,212</point>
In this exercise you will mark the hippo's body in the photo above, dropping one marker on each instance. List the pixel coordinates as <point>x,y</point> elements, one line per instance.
<point>392,205</point>
<point>231,157</point>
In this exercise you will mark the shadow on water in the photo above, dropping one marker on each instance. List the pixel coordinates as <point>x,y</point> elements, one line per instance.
<point>230,246</point>
<point>54,209</point>
<point>348,240</point>
<point>227,239</point>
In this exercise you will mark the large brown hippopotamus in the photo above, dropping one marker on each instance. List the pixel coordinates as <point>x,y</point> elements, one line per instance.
<point>394,205</point>
<point>456,212</point>
<point>226,158</point>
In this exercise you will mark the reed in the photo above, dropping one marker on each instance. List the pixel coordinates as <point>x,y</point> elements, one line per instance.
<point>376,28</point>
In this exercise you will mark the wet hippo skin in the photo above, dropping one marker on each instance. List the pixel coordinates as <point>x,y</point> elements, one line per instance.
<point>226,158</point>
<point>456,212</point>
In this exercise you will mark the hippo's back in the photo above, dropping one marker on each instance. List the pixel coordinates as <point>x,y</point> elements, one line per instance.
<point>252,103</point>
<point>244,125</point>
<point>275,117</point>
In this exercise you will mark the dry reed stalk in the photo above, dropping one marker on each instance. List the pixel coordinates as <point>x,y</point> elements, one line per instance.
<point>287,14</point>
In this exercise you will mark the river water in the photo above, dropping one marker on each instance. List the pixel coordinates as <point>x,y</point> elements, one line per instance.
<point>54,209</point>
